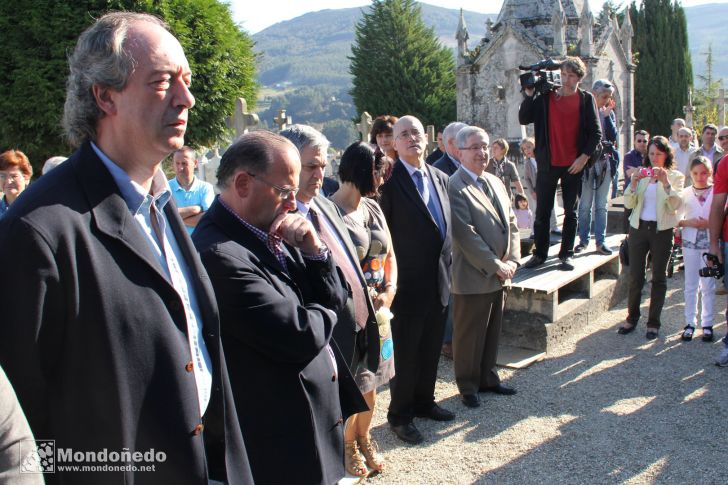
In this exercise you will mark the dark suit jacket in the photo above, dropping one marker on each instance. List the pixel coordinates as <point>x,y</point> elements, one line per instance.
<point>445,164</point>
<point>94,336</point>
<point>423,257</point>
<point>275,327</point>
<point>329,186</point>
<point>434,156</point>
<point>345,333</point>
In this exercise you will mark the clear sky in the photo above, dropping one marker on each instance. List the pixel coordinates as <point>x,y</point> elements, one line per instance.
<point>256,15</point>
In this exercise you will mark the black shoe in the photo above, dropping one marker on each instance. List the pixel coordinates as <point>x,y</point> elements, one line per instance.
<point>499,389</point>
<point>471,400</point>
<point>579,248</point>
<point>603,249</point>
<point>436,413</point>
<point>623,330</point>
<point>687,334</point>
<point>651,334</point>
<point>707,334</point>
<point>567,264</point>
<point>407,433</point>
<point>534,262</point>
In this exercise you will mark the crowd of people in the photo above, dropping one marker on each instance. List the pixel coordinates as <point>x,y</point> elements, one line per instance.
<point>246,335</point>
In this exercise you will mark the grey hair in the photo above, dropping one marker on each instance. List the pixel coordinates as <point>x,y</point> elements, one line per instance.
<point>451,130</point>
<point>303,135</point>
<point>52,163</point>
<point>253,152</point>
<point>100,58</point>
<point>602,85</point>
<point>467,132</point>
<point>678,120</point>
<point>685,130</point>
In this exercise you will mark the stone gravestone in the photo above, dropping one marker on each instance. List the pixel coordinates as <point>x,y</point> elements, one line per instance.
<point>282,121</point>
<point>243,121</point>
<point>364,127</point>
<point>431,140</point>
<point>207,167</point>
<point>689,110</point>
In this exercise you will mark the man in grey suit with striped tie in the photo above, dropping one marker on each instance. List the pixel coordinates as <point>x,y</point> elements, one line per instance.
<point>486,248</point>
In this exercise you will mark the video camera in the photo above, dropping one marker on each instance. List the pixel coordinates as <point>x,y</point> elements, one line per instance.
<point>540,76</point>
<point>714,271</point>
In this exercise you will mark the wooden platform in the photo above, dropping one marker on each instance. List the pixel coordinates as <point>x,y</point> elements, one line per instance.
<point>517,358</point>
<point>545,302</point>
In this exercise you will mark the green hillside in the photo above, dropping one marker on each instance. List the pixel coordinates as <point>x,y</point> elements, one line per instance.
<point>304,66</point>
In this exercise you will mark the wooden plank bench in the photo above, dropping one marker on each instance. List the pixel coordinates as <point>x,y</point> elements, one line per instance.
<point>542,300</point>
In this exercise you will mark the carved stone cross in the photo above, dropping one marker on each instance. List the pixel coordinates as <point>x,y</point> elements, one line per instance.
<point>282,121</point>
<point>242,120</point>
<point>431,139</point>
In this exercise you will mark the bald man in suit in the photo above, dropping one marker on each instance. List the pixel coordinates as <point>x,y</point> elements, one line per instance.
<point>486,248</point>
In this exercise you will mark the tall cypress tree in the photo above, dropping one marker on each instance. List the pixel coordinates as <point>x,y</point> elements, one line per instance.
<point>399,66</point>
<point>664,71</point>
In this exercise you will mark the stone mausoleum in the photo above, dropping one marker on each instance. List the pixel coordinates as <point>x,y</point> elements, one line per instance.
<point>526,31</point>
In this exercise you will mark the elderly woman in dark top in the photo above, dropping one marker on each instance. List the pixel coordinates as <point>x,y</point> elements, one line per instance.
<point>382,135</point>
<point>361,173</point>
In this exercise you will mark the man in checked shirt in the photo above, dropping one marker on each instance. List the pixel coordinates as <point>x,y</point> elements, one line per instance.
<point>278,292</point>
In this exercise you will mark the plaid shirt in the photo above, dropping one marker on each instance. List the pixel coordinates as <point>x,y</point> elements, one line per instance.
<point>272,241</point>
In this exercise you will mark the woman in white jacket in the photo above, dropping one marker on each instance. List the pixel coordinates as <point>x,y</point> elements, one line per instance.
<point>695,242</point>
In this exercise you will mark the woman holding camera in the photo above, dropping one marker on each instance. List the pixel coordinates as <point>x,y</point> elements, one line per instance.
<point>654,197</point>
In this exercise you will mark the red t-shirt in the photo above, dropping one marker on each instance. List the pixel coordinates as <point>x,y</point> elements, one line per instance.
<point>721,187</point>
<point>564,129</point>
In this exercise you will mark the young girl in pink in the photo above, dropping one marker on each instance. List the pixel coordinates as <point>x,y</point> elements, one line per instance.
<point>524,217</point>
<point>695,242</point>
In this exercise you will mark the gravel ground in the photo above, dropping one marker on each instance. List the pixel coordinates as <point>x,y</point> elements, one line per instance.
<point>603,408</point>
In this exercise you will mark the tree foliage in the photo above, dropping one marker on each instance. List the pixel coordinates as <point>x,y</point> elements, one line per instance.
<point>664,73</point>
<point>705,95</point>
<point>37,36</point>
<point>399,66</point>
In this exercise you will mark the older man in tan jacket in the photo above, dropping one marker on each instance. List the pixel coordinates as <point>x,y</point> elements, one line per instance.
<point>486,248</point>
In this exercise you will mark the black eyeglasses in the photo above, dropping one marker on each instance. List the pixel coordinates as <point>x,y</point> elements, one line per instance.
<point>283,192</point>
<point>723,137</point>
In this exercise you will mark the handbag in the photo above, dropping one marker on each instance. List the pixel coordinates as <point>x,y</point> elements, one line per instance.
<point>624,252</point>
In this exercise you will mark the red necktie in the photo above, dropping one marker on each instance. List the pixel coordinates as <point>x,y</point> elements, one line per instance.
<point>361,312</point>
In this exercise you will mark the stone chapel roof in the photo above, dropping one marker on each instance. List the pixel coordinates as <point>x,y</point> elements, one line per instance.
<point>534,10</point>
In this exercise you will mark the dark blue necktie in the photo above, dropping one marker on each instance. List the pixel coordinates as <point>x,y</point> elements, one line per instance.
<point>429,200</point>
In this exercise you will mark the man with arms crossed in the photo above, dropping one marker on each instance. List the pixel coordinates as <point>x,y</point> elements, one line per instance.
<point>192,195</point>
